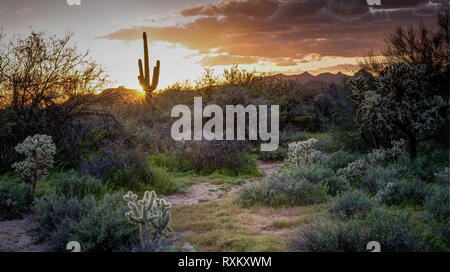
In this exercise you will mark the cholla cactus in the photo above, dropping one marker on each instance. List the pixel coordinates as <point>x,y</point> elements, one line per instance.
<point>151,213</point>
<point>401,102</point>
<point>303,152</point>
<point>39,151</point>
<point>380,156</point>
<point>353,170</point>
<point>377,157</point>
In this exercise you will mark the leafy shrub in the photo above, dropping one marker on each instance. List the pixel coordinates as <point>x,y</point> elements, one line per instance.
<point>71,185</point>
<point>96,225</point>
<point>285,188</point>
<point>341,159</point>
<point>352,203</point>
<point>336,185</point>
<point>14,198</point>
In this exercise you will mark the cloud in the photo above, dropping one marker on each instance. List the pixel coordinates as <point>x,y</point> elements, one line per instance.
<point>227,60</point>
<point>285,32</point>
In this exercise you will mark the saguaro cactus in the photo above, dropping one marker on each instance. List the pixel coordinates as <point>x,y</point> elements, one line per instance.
<point>144,74</point>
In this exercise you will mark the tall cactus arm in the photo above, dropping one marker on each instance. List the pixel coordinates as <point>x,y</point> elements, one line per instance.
<point>144,72</point>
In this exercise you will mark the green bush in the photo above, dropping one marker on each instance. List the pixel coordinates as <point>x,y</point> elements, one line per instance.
<point>393,230</point>
<point>71,185</point>
<point>341,159</point>
<point>330,235</point>
<point>336,185</point>
<point>314,173</point>
<point>96,225</point>
<point>286,188</point>
<point>172,162</point>
<point>14,198</point>
<point>352,203</point>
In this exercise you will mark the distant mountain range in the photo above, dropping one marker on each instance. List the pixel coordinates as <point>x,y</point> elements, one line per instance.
<point>307,78</point>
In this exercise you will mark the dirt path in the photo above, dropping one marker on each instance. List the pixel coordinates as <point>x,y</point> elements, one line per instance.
<point>20,236</point>
<point>205,191</point>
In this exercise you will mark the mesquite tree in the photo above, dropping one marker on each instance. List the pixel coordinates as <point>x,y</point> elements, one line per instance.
<point>400,101</point>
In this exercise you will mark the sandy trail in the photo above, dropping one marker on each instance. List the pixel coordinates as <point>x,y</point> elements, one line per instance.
<point>206,191</point>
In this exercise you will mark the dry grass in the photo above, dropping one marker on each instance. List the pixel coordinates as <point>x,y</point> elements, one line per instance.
<point>222,225</point>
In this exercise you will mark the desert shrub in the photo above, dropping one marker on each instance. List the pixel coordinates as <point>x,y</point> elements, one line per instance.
<point>443,177</point>
<point>70,184</point>
<point>336,185</point>
<point>112,159</point>
<point>277,155</point>
<point>231,156</point>
<point>403,192</point>
<point>394,231</point>
<point>424,166</point>
<point>96,225</point>
<point>285,188</point>
<point>375,178</point>
<point>14,198</point>
<point>331,235</point>
<point>172,162</point>
<point>352,203</point>
<point>162,182</point>
<point>438,202</point>
<point>341,159</point>
<point>314,173</point>
<point>126,168</point>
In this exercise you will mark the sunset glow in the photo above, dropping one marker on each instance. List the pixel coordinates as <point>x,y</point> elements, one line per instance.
<point>188,36</point>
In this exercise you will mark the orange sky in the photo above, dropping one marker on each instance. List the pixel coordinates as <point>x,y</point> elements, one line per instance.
<point>289,36</point>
